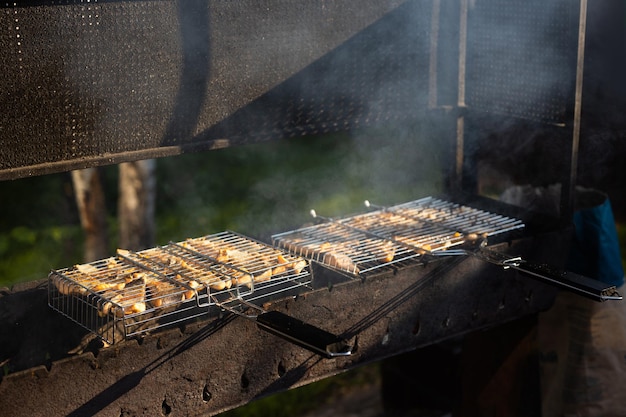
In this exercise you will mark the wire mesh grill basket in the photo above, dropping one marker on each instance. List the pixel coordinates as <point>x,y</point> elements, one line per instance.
<point>137,292</point>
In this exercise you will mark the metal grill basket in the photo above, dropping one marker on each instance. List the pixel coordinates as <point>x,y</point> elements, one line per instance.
<point>393,236</point>
<point>137,292</point>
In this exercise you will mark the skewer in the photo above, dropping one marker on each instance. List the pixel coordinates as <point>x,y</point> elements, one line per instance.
<point>368,204</point>
<point>317,216</point>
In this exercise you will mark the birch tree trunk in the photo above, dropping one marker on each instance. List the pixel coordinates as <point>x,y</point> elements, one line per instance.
<point>137,192</point>
<point>92,211</point>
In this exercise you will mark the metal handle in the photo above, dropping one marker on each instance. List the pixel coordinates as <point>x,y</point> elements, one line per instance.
<point>591,288</point>
<point>303,334</point>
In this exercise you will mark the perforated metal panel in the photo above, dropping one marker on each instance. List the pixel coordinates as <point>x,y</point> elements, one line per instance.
<point>93,82</point>
<point>88,82</point>
<point>521,58</point>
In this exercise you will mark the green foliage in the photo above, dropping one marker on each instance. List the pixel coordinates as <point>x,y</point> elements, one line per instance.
<point>29,254</point>
<point>266,188</point>
<point>256,190</point>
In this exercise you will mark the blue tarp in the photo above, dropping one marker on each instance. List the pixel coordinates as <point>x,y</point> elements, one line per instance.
<point>595,251</point>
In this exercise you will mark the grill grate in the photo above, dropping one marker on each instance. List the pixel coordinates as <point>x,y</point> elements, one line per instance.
<point>262,270</point>
<point>137,292</point>
<point>456,217</point>
<point>344,249</point>
<point>381,239</point>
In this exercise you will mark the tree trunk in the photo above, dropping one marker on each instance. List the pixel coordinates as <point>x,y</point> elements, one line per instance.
<point>137,191</point>
<point>92,210</point>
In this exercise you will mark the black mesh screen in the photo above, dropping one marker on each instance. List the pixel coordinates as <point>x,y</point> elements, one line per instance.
<point>94,82</point>
<point>521,58</point>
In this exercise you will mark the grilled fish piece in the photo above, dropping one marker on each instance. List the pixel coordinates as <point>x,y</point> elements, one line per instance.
<point>340,261</point>
<point>252,260</point>
<point>334,255</point>
<point>130,300</point>
<point>160,293</point>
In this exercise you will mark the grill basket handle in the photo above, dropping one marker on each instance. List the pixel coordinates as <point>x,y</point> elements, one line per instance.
<point>303,334</point>
<point>579,284</point>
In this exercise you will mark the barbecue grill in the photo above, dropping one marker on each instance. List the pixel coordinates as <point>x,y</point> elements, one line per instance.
<point>137,293</point>
<point>102,82</point>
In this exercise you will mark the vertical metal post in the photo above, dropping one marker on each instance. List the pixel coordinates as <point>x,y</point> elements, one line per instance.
<point>460,125</point>
<point>434,54</point>
<point>462,51</point>
<point>567,192</point>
